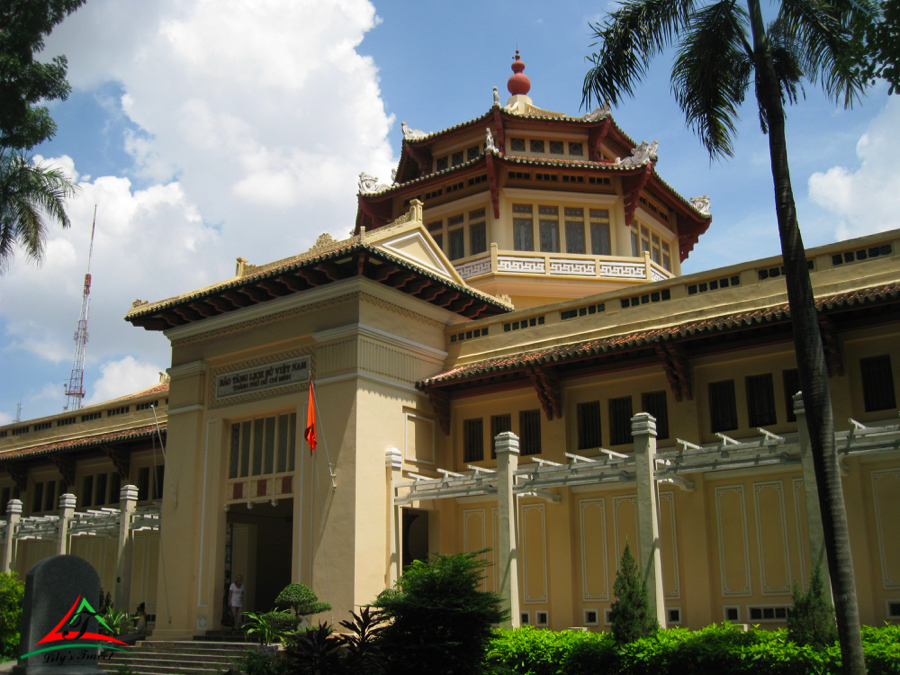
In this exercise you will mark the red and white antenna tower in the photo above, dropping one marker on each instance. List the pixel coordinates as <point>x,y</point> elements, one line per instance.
<point>75,388</point>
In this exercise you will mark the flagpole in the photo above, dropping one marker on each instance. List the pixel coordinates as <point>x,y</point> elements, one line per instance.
<point>324,442</point>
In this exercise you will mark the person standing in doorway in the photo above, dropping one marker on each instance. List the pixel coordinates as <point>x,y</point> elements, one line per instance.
<point>236,593</point>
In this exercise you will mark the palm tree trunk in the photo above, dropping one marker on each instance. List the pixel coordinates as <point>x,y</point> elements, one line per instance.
<point>810,361</point>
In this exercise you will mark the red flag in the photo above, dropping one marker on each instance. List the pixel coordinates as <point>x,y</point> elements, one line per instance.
<point>310,432</point>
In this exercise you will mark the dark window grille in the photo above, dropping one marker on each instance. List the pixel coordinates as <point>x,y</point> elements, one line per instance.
<point>761,400</point>
<point>877,383</point>
<point>620,414</point>
<point>722,406</point>
<point>530,431</point>
<point>473,440</point>
<point>589,431</point>
<point>87,491</point>
<point>143,485</point>
<point>38,503</point>
<point>791,380</point>
<point>115,487</point>
<point>478,238</point>
<point>457,244</point>
<point>101,490</point>
<point>158,484</point>
<point>50,497</point>
<point>656,404</point>
<point>499,424</point>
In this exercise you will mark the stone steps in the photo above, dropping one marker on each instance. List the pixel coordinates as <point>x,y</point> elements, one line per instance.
<point>190,657</point>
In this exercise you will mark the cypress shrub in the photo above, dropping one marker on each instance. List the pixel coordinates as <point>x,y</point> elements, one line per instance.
<point>811,619</point>
<point>630,613</point>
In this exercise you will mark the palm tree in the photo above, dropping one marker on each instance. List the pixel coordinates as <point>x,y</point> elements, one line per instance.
<point>28,193</point>
<point>721,48</point>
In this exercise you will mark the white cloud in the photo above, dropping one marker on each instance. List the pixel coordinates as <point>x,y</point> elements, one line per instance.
<point>5,418</point>
<point>866,198</point>
<point>251,122</point>
<point>122,377</point>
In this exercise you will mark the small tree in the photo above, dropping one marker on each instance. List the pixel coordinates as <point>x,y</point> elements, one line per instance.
<point>440,622</point>
<point>631,619</point>
<point>811,619</point>
<point>301,599</point>
<point>12,599</point>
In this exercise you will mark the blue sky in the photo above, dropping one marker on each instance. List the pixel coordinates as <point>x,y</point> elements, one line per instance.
<point>209,130</point>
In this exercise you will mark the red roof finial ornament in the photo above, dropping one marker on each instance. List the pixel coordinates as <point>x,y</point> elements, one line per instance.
<point>519,82</point>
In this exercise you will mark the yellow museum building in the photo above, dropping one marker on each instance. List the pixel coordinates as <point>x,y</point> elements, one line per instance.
<point>505,356</point>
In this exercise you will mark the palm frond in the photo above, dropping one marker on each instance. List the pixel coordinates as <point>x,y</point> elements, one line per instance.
<point>28,192</point>
<point>827,46</point>
<point>629,38</point>
<point>712,72</point>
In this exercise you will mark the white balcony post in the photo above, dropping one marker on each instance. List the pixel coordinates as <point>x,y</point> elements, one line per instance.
<point>128,497</point>
<point>507,450</point>
<point>13,516</point>
<point>67,504</point>
<point>393,462</point>
<point>643,428</point>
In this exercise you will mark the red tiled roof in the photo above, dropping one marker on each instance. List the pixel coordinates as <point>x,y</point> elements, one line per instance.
<point>636,339</point>
<point>83,442</point>
<point>161,388</point>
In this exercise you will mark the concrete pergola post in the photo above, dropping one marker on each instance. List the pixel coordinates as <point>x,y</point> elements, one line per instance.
<point>393,462</point>
<point>814,528</point>
<point>643,428</point>
<point>128,497</point>
<point>507,449</point>
<point>67,504</point>
<point>13,516</point>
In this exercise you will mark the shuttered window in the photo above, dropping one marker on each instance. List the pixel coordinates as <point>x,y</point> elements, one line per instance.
<point>499,424</point>
<point>530,428</point>
<point>589,425</point>
<point>620,414</point>
<point>760,400</point>
<point>877,383</point>
<point>473,440</point>
<point>722,406</point>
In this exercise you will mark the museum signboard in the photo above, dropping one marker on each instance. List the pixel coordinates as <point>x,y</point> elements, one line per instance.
<point>263,377</point>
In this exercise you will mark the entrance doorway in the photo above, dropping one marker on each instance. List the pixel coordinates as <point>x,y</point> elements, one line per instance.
<point>415,536</point>
<point>258,545</point>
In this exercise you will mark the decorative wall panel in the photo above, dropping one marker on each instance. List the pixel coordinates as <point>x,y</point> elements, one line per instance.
<point>594,553</point>
<point>534,549</point>
<point>771,533</point>
<point>886,498</point>
<point>734,550</point>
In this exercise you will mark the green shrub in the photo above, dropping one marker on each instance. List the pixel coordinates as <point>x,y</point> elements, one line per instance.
<point>811,619</point>
<point>363,654</point>
<point>715,650</point>
<point>630,613</point>
<point>315,651</point>
<point>531,651</point>
<point>12,598</point>
<point>255,662</point>
<point>271,627</point>
<point>440,622</point>
<point>301,599</point>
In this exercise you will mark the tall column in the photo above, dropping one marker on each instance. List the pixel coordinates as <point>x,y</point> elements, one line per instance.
<point>507,449</point>
<point>393,462</point>
<point>13,516</point>
<point>125,558</point>
<point>643,428</point>
<point>811,496</point>
<point>66,512</point>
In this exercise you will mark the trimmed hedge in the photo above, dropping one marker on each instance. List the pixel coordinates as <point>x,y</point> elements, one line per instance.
<point>721,649</point>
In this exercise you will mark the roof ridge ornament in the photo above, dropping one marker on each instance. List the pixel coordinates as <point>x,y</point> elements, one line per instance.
<point>598,114</point>
<point>519,82</point>
<point>369,184</point>
<point>496,97</point>
<point>410,134</point>
<point>645,152</point>
<point>701,203</point>
<point>489,145</point>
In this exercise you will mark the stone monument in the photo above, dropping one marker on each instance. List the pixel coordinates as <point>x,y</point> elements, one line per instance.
<point>60,629</point>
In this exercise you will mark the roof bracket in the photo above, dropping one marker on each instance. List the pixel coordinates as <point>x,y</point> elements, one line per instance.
<point>546,384</point>
<point>677,368</point>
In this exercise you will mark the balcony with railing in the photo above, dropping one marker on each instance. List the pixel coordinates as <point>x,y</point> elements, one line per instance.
<point>561,266</point>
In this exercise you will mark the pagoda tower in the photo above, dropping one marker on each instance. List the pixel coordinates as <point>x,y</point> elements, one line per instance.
<point>538,205</point>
